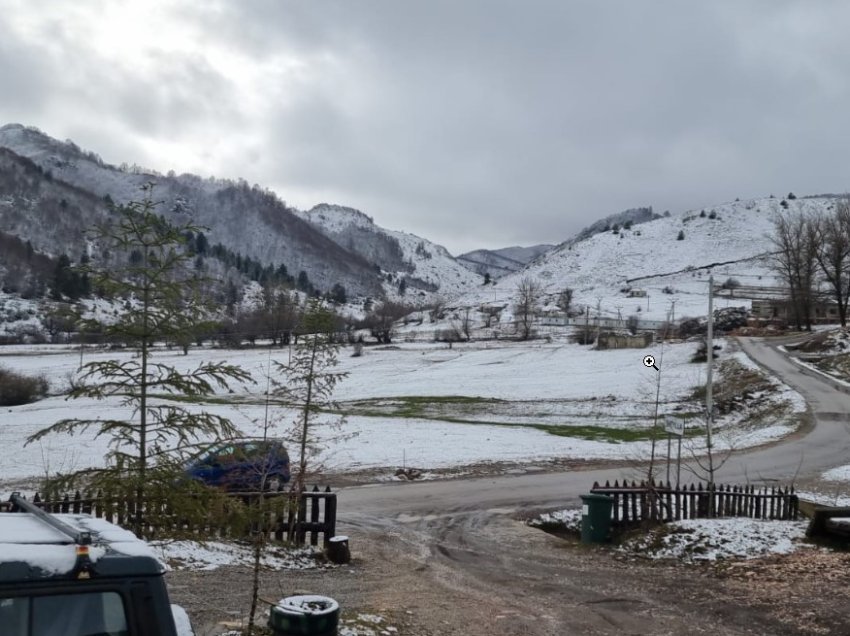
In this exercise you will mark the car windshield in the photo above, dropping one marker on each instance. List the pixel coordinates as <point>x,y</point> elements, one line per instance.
<point>86,614</point>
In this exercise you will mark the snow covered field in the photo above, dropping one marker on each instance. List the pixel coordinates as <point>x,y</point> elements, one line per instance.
<point>423,405</point>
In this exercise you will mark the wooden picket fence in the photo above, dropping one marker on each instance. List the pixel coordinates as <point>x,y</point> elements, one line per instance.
<point>639,502</point>
<point>223,519</point>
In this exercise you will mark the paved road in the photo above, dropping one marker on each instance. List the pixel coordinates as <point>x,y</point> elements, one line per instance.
<point>823,445</point>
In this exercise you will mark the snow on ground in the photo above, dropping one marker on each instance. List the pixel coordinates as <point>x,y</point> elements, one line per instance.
<point>837,497</point>
<point>512,396</point>
<point>211,555</point>
<point>366,625</point>
<point>569,519</point>
<point>839,473</point>
<point>694,540</point>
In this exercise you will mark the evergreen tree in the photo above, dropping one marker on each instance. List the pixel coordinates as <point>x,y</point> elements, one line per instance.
<point>338,294</point>
<point>146,447</point>
<point>308,384</point>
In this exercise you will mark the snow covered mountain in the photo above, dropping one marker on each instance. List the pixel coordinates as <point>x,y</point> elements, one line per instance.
<point>669,258</point>
<point>331,244</point>
<point>413,267</point>
<point>249,221</point>
<point>503,261</point>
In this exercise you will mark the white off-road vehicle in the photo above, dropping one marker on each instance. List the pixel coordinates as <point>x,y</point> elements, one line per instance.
<point>74,575</point>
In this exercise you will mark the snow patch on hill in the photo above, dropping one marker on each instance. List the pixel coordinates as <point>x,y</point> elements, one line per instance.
<point>427,269</point>
<point>731,240</point>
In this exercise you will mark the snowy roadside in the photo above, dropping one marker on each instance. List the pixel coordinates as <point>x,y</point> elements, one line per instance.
<point>211,555</point>
<point>695,540</point>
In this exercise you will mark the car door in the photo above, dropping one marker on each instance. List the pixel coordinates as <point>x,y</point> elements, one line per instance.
<point>217,465</point>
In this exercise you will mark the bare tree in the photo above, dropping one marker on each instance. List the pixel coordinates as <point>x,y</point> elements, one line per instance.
<point>832,242</point>
<point>463,323</point>
<point>382,320</point>
<point>525,305</point>
<point>796,261</point>
<point>565,300</point>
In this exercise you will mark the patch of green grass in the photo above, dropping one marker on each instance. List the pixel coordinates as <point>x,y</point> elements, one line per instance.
<point>596,433</point>
<point>451,408</point>
<point>225,400</point>
<point>416,405</point>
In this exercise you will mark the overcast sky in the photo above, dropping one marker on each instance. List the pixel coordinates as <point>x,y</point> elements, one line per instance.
<point>472,123</point>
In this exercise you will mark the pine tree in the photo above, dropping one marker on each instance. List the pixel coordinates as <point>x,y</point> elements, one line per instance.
<point>145,447</point>
<point>308,384</point>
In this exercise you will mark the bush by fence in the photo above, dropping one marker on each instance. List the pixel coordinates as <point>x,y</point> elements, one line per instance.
<point>232,517</point>
<point>640,502</point>
<point>17,389</point>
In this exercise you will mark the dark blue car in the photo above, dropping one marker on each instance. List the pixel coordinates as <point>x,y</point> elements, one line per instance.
<point>249,465</point>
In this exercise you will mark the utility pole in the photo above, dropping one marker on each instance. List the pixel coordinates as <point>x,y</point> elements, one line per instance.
<point>709,356</point>
<point>598,318</point>
<point>586,323</point>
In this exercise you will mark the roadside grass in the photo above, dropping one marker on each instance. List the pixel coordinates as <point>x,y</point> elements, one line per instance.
<point>837,366</point>
<point>735,382</point>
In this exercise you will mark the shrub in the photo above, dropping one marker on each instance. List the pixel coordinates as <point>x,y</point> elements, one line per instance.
<point>712,214</point>
<point>16,388</point>
<point>681,236</point>
<point>702,214</point>
<point>690,327</point>
<point>584,335</point>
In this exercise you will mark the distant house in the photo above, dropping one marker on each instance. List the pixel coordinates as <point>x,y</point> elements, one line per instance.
<point>612,340</point>
<point>637,293</point>
<point>775,309</point>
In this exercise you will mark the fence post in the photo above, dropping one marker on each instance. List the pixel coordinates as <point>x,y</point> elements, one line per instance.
<point>301,531</point>
<point>314,518</point>
<point>330,516</point>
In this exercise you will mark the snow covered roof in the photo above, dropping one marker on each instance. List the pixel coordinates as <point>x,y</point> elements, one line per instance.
<point>32,549</point>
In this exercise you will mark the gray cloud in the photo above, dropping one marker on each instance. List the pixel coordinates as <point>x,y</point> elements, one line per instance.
<point>473,124</point>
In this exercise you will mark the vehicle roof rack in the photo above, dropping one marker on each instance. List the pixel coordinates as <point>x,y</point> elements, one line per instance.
<point>79,537</point>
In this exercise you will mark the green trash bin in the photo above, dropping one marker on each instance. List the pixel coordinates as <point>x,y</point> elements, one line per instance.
<point>595,518</point>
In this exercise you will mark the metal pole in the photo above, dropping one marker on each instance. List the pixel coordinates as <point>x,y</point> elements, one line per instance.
<point>598,317</point>
<point>669,436</point>
<point>679,463</point>
<point>709,355</point>
<point>586,323</point>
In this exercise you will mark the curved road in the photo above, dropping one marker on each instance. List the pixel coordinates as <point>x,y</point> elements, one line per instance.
<point>821,446</point>
<point>458,562</point>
